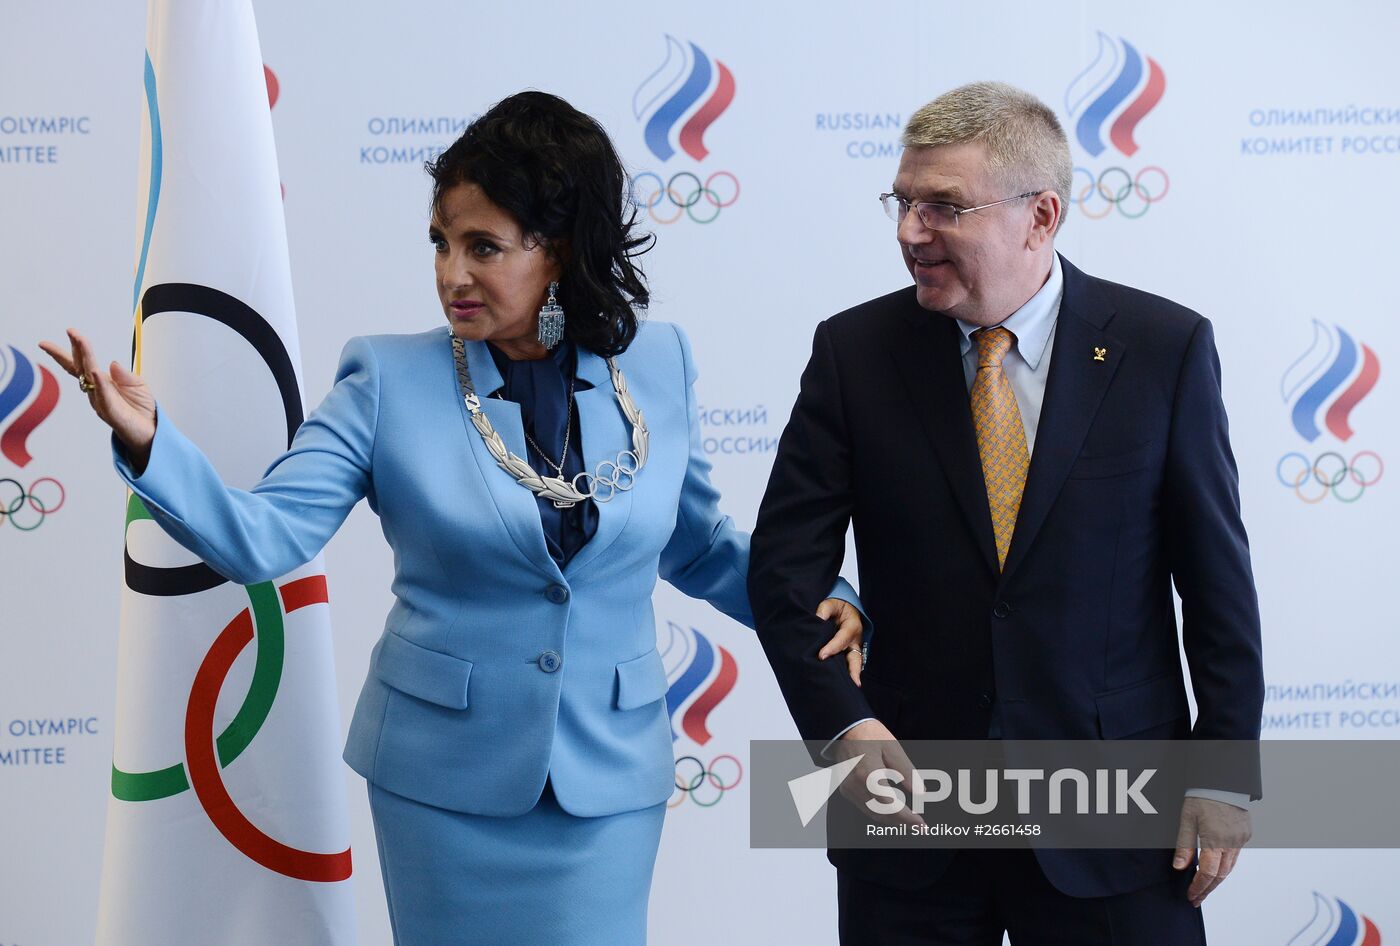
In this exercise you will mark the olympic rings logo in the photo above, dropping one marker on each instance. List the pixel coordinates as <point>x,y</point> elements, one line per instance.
<point>704,784</point>
<point>684,195</point>
<point>27,510</point>
<point>207,754</point>
<point>1330,473</point>
<point>1116,187</point>
<point>622,478</point>
<point>207,750</point>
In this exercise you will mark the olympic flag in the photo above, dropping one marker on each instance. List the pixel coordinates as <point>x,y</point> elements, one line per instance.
<point>227,822</point>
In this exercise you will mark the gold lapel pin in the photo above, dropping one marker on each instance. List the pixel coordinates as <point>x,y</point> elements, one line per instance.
<point>1099,353</point>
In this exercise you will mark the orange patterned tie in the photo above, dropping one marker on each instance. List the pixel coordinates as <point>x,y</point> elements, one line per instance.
<point>1001,438</point>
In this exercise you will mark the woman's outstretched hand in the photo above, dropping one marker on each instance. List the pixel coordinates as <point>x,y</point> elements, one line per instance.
<point>849,630</point>
<point>119,397</point>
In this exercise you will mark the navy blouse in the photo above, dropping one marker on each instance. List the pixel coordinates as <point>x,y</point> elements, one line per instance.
<point>541,388</point>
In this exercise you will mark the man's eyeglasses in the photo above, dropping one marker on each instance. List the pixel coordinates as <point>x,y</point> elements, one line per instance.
<point>934,215</point>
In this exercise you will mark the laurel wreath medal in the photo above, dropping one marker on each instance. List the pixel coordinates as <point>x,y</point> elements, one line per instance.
<point>618,475</point>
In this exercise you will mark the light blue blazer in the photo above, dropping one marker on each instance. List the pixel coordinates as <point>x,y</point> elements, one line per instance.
<point>495,667</point>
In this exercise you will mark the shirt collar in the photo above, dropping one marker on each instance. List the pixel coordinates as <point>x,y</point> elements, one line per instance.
<point>563,359</point>
<point>1033,322</point>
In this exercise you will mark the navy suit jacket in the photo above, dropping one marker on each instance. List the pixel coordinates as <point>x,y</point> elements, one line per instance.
<point>1132,486</point>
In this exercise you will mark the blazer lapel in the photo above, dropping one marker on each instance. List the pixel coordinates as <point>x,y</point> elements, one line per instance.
<point>514,503</point>
<point>1073,392</point>
<point>605,433</point>
<point>930,361</point>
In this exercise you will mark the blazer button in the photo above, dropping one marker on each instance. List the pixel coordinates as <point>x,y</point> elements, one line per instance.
<point>984,701</point>
<point>550,661</point>
<point>557,594</point>
<point>1002,609</point>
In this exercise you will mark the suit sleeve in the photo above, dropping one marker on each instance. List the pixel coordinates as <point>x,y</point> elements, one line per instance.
<point>798,547</point>
<point>1208,553</point>
<point>707,556</point>
<point>256,535</point>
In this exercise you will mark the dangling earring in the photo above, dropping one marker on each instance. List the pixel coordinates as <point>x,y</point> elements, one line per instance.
<point>551,329</point>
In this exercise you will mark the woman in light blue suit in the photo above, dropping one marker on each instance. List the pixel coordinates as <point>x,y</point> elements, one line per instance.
<point>535,467</point>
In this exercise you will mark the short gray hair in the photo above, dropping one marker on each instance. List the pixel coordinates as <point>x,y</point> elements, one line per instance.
<point>1026,145</point>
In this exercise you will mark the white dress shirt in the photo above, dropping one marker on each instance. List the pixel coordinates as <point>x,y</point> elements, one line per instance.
<point>1027,364</point>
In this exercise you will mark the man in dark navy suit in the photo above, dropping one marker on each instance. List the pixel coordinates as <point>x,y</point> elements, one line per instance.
<point>1042,454</point>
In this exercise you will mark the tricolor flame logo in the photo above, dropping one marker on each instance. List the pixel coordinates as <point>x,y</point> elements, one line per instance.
<point>1115,91</point>
<point>27,398</point>
<point>1335,923</point>
<point>687,85</point>
<point>701,674</point>
<point>1327,382</point>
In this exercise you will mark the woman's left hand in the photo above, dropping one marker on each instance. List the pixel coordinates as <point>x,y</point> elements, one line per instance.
<point>849,630</point>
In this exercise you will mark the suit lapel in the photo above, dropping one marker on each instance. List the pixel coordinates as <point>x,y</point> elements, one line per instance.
<point>514,503</point>
<point>930,361</point>
<point>1073,392</point>
<point>605,433</point>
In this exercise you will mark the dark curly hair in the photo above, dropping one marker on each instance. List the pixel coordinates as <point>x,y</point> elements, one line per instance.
<point>554,169</point>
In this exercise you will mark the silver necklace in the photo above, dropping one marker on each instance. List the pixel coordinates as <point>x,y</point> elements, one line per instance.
<point>615,476</point>
<point>568,431</point>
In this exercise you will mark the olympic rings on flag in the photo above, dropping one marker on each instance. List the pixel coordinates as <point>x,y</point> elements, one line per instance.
<point>1329,473</point>
<point>207,752</point>
<point>693,776</point>
<point>1116,187</point>
<point>684,195</point>
<point>27,510</point>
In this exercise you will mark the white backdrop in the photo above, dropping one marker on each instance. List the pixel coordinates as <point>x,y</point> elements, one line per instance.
<point>1257,181</point>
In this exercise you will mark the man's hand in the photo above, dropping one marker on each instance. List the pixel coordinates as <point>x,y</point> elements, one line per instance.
<point>1219,830</point>
<point>882,751</point>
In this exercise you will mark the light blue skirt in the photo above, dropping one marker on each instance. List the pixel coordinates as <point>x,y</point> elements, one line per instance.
<point>545,878</point>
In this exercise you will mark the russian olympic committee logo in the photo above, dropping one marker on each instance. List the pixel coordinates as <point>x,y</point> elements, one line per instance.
<point>28,395</point>
<point>1106,102</point>
<point>1335,923</point>
<point>676,105</point>
<point>1321,389</point>
<point>701,675</point>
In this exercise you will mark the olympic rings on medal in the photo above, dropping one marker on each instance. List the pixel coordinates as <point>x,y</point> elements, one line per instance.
<point>693,776</point>
<point>685,194</point>
<point>22,509</point>
<point>622,478</point>
<point>1116,187</point>
<point>1329,472</point>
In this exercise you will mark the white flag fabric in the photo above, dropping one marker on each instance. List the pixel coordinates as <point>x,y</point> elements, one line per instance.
<point>227,824</point>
